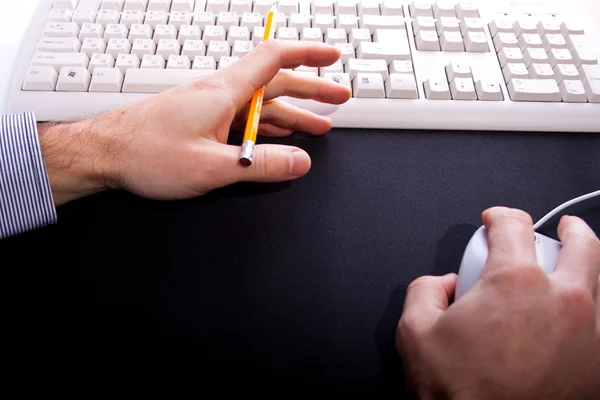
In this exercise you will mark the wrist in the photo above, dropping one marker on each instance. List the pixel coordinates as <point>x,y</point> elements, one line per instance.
<point>78,159</point>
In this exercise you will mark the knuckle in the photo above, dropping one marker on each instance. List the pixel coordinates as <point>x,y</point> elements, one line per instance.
<point>420,282</point>
<point>576,301</point>
<point>521,277</point>
<point>269,46</point>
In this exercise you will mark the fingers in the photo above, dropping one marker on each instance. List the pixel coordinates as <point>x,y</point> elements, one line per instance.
<point>289,83</point>
<point>426,300</point>
<point>579,259</point>
<point>511,239</point>
<point>272,163</point>
<point>258,67</point>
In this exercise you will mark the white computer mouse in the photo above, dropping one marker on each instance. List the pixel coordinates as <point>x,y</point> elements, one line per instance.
<point>476,253</point>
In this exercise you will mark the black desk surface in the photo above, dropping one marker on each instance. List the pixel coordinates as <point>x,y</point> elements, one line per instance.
<point>304,290</point>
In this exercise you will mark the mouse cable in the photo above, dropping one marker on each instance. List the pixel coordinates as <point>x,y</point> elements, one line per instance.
<point>563,206</point>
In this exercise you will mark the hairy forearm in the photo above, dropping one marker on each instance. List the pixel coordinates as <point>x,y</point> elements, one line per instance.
<point>78,159</point>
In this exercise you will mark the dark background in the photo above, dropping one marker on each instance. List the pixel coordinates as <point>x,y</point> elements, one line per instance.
<point>294,286</point>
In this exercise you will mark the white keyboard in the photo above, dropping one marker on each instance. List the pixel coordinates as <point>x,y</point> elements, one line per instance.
<point>453,65</point>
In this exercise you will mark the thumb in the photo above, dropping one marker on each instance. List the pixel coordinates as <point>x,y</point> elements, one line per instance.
<point>427,298</point>
<point>271,163</point>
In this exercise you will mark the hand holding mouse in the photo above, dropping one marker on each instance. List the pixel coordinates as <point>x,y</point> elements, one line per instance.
<point>519,333</point>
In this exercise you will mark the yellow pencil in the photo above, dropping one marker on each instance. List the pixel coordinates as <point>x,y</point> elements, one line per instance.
<point>251,132</point>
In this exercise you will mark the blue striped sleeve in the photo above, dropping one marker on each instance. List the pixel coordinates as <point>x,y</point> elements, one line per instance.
<point>25,196</point>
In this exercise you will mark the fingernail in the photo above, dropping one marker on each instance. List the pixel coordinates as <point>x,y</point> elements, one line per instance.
<point>300,163</point>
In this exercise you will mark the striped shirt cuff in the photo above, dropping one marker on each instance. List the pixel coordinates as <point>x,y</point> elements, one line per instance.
<point>25,195</point>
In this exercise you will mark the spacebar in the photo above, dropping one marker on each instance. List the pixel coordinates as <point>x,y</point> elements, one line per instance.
<point>159,80</point>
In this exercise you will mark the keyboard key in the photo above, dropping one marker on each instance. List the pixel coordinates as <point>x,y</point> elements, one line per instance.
<point>446,24</point>
<point>458,70</point>
<point>218,49</point>
<point>510,55</point>
<point>437,88</point>
<point>118,46</point>
<point>159,5</point>
<point>347,51</point>
<point>228,19</point>
<point>91,31</point>
<point>190,32</point>
<point>259,33</point>
<point>250,20</point>
<point>240,6</point>
<point>240,33</point>
<point>84,15</point>
<point>142,47</point>
<point>359,35</point>
<point>132,17</point>
<point>115,31</point>
<point>368,85</point>
<point>355,66</point>
<point>560,56</point>
<point>530,40</point>
<point>373,22</point>
<point>225,62</point>
<point>159,80</point>
<point>565,71</point>
<point>347,22</point>
<point>112,5</point>
<point>180,18</point>
<point>525,25</point>
<point>504,39</point>
<point>261,6</point>
<point>179,62</point>
<point>476,42</point>
<point>392,7</point>
<point>488,91</point>
<point>284,33</point>
<point>335,68</point>
<point>582,50</point>
<point>126,61</point>
<point>152,61</point>
<point>472,25</point>
<point>571,28</point>
<point>40,79</point>
<point>207,18</point>
<point>60,29</point>
<point>73,79</point>
<point>554,41</point>
<point>60,15</point>
<point>311,35</point>
<point>167,47</point>
<point>386,51</point>
<point>401,67</point>
<point>444,8</point>
<point>332,36</point>
<point>287,6</point>
<point>106,17</point>
<point>401,86</point>
<point>65,4</point>
<point>420,9</point>
<point>140,31</point>
<point>423,23</point>
<point>531,56</point>
<point>541,71</point>
<point>572,92</point>
<point>300,21</point>
<point>218,33</point>
<point>59,45</point>
<point>323,21</point>
<point>452,41</point>
<point>467,9</point>
<point>463,89</point>
<point>342,79</point>
<point>322,7</point>
<point>427,41</point>
<point>185,5</point>
<point>543,90</point>
<point>101,61</point>
<point>591,80</point>
<point>515,71</point>
<point>500,26</point>
<point>136,5</point>
<point>204,62</point>
<point>546,27</point>
<point>346,7</point>
<point>154,18</point>
<point>59,60</point>
<point>93,45</point>
<point>368,7</point>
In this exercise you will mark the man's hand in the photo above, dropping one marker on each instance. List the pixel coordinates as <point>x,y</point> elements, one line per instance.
<point>173,145</point>
<point>518,333</point>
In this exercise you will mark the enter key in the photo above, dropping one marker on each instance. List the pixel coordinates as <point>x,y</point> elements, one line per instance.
<point>591,81</point>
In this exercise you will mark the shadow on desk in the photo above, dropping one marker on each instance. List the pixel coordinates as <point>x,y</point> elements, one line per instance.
<point>448,256</point>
